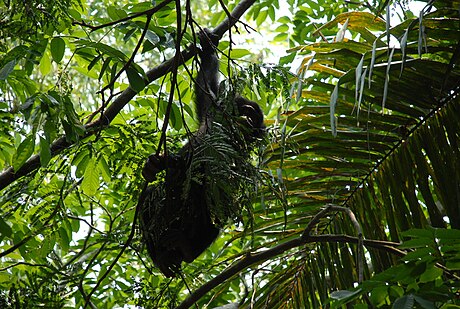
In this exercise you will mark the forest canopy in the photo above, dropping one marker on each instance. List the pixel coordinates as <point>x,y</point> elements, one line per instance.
<point>351,199</point>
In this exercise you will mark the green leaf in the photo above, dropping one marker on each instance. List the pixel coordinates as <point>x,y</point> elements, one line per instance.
<point>405,302</point>
<point>420,233</point>
<point>425,304</point>
<point>57,49</point>
<point>444,234</point>
<point>261,17</point>
<point>116,13</point>
<point>5,229</point>
<point>453,264</point>
<point>431,274</point>
<point>105,169</point>
<point>64,239</point>
<point>284,20</point>
<point>106,49</point>
<point>94,62</point>
<point>344,294</point>
<point>7,69</point>
<point>378,295</point>
<point>45,64</point>
<point>239,53</point>
<point>45,151</point>
<point>282,28</point>
<point>90,183</point>
<point>75,14</point>
<point>281,37</point>
<point>105,65</point>
<point>47,246</point>
<point>135,80</point>
<point>81,161</point>
<point>24,151</point>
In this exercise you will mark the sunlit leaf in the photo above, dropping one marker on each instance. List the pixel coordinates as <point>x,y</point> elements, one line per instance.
<point>23,152</point>
<point>90,183</point>
<point>45,151</point>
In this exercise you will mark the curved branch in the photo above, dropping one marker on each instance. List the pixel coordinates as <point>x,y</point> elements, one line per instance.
<point>251,259</point>
<point>9,175</point>
<point>303,239</point>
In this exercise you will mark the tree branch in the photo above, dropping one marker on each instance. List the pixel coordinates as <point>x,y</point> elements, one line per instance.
<point>251,259</point>
<point>9,175</point>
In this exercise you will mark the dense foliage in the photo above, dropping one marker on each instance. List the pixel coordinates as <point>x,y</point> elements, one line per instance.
<point>357,200</point>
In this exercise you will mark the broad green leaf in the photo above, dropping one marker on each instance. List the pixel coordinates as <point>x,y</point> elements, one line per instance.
<point>282,28</point>
<point>105,169</point>
<point>431,273</point>
<point>115,13</point>
<point>284,20</point>
<point>45,64</point>
<point>175,118</point>
<point>281,37</point>
<point>82,163</point>
<point>75,14</point>
<point>90,183</point>
<point>445,234</point>
<point>405,302</point>
<point>106,49</point>
<point>453,264</point>
<point>5,277</point>
<point>47,246</point>
<point>421,233</point>
<point>344,294</point>
<point>45,151</point>
<point>5,229</point>
<point>135,80</point>
<point>239,53</point>
<point>271,13</point>
<point>64,239</point>
<point>57,49</point>
<point>24,151</point>
<point>425,304</point>
<point>378,295</point>
<point>7,69</point>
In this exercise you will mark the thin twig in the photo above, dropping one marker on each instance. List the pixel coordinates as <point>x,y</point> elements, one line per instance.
<point>131,59</point>
<point>148,12</point>
<point>128,242</point>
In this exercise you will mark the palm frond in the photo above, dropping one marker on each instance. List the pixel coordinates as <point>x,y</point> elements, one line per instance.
<point>390,151</point>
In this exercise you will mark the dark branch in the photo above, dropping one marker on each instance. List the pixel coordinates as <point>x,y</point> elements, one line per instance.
<point>251,259</point>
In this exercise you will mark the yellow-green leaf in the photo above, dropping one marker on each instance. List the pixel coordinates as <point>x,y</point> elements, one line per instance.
<point>24,151</point>
<point>90,182</point>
